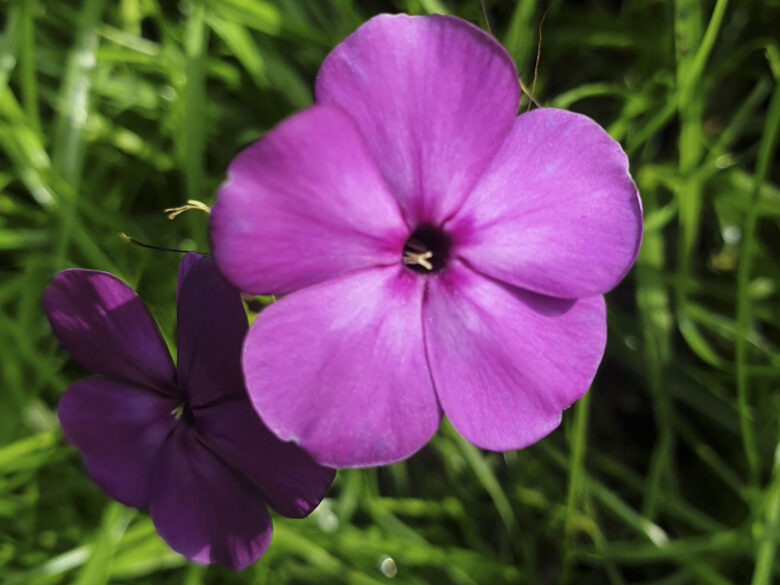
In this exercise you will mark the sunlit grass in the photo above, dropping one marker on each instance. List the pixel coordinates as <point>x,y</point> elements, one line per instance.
<point>669,473</point>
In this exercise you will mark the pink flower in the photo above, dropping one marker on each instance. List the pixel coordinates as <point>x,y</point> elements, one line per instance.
<point>441,253</point>
<point>183,441</point>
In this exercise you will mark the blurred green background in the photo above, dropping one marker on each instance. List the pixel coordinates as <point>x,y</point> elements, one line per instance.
<point>667,473</point>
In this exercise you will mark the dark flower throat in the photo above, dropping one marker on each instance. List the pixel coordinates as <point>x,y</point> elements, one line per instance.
<point>427,249</point>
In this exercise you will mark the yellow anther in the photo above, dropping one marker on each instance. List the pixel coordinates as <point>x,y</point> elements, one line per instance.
<point>191,204</point>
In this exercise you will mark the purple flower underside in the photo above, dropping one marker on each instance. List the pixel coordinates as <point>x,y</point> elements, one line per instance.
<point>184,443</point>
<point>439,253</point>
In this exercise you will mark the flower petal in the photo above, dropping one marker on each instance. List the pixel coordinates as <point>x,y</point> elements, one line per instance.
<point>103,324</point>
<point>434,97</point>
<point>340,368</point>
<point>556,212</point>
<point>293,483</point>
<point>205,511</point>
<point>506,362</point>
<point>302,205</point>
<point>119,430</point>
<point>211,326</point>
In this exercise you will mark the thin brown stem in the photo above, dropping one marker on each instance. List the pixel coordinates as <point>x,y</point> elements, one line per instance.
<point>130,240</point>
<point>538,57</point>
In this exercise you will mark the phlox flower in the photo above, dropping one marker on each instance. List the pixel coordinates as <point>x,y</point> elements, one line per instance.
<point>184,441</point>
<point>439,253</point>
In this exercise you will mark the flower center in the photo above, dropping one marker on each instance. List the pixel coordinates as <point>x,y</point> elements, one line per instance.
<point>183,413</point>
<point>426,250</point>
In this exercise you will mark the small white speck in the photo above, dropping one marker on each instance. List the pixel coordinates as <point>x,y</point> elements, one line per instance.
<point>167,93</point>
<point>87,60</point>
<point>656,534</point>
<point>724,161</point>
<point>732,234</point>
<point>325,517</point>
<point>388,567</point>
<point>78,117</point>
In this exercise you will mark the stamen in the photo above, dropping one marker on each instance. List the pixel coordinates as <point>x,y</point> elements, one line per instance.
<point>415,245</point>
<point>426,249</point>
<point>178,412</point>
<point>416,258</point>
<point>191,204</point>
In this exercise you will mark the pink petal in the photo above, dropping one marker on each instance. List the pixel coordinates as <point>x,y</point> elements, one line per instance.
<point>211,326</point>
<point>340,368</point>
<point>506,362</point>
<point>303,205</point>
<point>556,212</point>
<point>205,511</point>
<point>434,97</point>
<point>293,483</point>
<point>119,430</point>
<point>103,324</point>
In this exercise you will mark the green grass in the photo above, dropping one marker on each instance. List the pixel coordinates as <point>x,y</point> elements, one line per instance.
<point>668,473</point>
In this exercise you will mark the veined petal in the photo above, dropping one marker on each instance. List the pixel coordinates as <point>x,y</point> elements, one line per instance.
<point>119,430</point>
<point>103,324</point>
<point>434,97</point>
<point>506,362</point>
<point>302,205</point>
<point>556,212</point>
<point>293,483</point>
<point>205,511</point>
<point>340,368</point>
<point>210,330</point>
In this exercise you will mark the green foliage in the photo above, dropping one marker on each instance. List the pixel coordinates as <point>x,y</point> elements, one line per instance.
<point>669,473</point>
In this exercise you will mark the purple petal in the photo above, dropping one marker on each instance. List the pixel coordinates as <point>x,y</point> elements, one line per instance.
<point>340,368</point>
<point>506,362</point>
<point>211,326</point>
<point>205,511</point>
<point>103,324</point>
<point>302,205</point>
<point>556,212</point>
<point>119,430</point>
<point>434,97</point>
<point>293,483</point>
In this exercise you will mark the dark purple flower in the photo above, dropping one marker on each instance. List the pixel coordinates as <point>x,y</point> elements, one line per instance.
<point>183,442</point>
<point>442,253</point>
